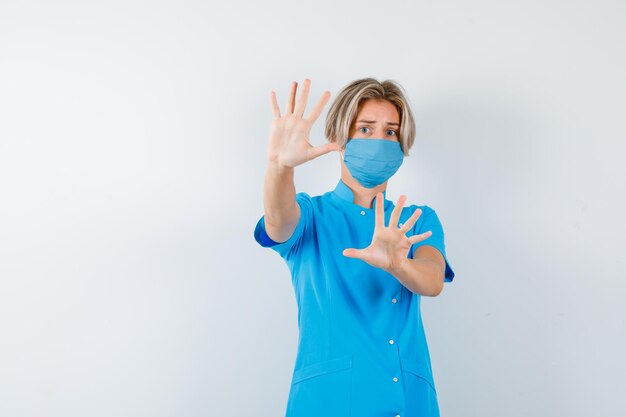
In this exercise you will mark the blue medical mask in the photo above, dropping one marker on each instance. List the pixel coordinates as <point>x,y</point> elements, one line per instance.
<point>372,161</point>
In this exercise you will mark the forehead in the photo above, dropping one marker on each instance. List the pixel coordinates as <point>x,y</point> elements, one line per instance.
<point>377,109</point>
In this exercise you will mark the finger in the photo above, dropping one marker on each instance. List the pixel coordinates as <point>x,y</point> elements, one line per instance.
<point>274,103</point>
<point>317,110</point>
<point>352,253</point>
<point>379,212</point>
<point>304,96</point>
<point>292,97</point>
<point>395,214</point>
<point>315,151</point>
<point>418,238</point>
<point>411,220</point>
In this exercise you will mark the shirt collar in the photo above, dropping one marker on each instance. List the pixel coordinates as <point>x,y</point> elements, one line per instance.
<point>345,193</point>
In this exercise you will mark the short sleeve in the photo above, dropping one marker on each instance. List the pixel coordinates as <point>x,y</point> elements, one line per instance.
<point>430,221</point>
<point>291,246</point>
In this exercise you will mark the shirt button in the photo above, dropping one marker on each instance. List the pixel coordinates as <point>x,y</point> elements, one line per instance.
<point>362,213</point>
<point>395,379</point>
<point>393,300</point>
<point>391,342</point>
<point>397,415</point>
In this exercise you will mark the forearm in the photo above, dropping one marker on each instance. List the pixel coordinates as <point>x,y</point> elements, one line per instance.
<point>279,200</point>
<point>421,276</point>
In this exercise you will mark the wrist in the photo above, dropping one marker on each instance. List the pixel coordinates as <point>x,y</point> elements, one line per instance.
<point>398,269</point>
<point>278,168</point>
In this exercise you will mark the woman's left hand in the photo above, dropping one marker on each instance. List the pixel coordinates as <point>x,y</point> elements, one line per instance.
<point>390,245</point>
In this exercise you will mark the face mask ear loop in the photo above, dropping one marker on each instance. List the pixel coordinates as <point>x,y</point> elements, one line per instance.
<point>343,151</point>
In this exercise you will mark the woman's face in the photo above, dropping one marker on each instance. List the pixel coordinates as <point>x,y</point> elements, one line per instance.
<point>377,119</point>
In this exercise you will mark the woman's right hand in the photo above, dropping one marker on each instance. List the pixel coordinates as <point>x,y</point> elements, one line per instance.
<point>289,144</point>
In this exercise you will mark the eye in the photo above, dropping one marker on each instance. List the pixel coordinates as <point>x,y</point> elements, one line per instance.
<point>361,129</point>
<point>391,132</point>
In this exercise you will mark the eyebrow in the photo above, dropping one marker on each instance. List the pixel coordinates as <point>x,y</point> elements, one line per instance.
<point>374,121</point>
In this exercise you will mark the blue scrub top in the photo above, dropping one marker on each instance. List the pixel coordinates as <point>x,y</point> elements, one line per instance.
<point>362,350</point>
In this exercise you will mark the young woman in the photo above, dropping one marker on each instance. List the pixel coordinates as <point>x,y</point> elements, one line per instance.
<point>359,263</point>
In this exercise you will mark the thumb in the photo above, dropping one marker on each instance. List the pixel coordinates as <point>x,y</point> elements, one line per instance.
<point>315,151</point>
<point>352,252</point>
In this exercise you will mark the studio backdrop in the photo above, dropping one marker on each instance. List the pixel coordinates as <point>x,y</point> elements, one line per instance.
<point>133,140</point>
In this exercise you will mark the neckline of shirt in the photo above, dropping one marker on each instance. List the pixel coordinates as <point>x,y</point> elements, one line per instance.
<point>345,195</point>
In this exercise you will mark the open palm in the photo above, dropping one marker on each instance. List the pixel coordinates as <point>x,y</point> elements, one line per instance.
<point>390,245</point>
<point>289,143</point>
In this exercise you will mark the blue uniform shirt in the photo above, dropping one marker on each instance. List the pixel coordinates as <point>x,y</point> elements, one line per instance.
<point>362,350</point>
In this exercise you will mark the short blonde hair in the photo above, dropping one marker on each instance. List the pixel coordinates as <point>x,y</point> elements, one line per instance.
<point>347,104</point>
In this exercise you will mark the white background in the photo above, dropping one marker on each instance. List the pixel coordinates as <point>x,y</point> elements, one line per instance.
<point>132,154</point>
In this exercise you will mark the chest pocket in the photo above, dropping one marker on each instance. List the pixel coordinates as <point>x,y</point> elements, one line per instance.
<point>322,389</point>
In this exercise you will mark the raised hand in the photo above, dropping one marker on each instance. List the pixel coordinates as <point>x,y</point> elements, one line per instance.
<point>289,144</point>
<point>390,245</point>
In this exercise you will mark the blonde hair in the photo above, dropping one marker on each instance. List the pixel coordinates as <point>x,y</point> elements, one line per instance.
<point>347,104</point>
